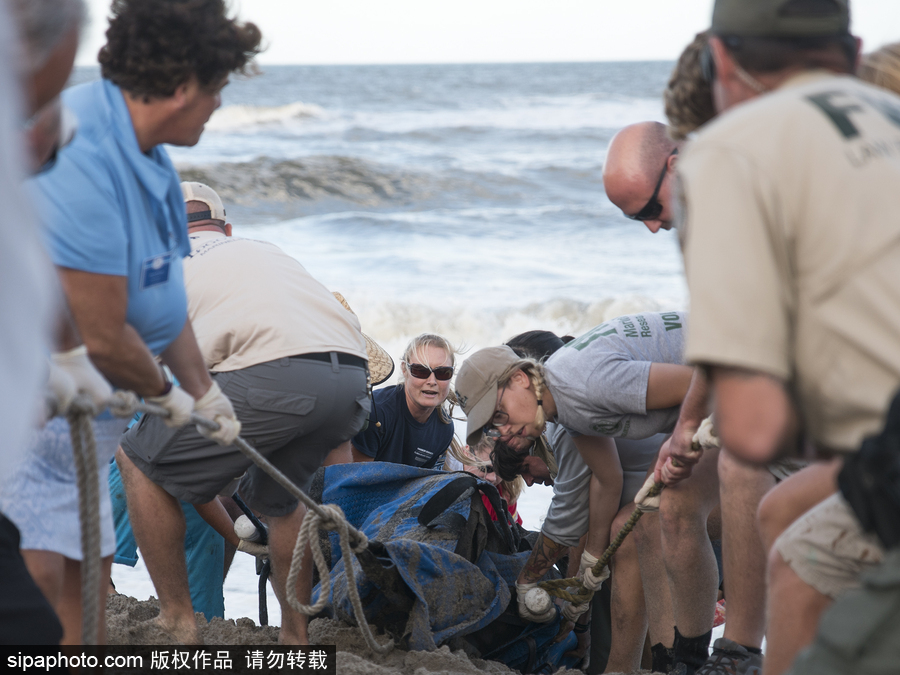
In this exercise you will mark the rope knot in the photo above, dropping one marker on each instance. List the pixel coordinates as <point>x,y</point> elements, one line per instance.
<point>330,518</point>
<point>81,405</point>
<point>124,403</point>
<point>334,518</point>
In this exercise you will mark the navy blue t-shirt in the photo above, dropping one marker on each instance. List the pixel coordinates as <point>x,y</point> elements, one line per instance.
<point>401,439</point>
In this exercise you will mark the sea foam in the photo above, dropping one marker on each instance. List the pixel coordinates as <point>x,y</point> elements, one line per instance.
<point>240,117</point>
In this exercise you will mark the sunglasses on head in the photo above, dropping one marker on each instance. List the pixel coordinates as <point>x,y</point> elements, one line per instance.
<point>423,372</point>
<point>653,208</point>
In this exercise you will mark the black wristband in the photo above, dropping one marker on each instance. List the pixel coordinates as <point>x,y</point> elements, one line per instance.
<point>582,627</point>
<point>168,382</point>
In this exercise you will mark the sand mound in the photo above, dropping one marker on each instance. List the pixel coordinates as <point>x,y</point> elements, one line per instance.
<point>127,623</point>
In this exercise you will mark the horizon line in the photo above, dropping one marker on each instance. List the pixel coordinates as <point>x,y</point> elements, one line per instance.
<point>443,63</point>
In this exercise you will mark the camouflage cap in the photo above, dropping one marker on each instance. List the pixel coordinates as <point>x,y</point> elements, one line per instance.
<point>781,18</point>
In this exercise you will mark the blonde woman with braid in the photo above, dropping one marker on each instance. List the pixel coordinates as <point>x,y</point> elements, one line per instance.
<point>408,424</point>
<point>623,379</point>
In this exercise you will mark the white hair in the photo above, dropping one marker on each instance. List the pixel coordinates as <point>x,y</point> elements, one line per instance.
<point>42,24</point>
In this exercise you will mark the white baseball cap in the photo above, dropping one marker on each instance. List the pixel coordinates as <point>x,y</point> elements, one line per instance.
<point>198,192</point>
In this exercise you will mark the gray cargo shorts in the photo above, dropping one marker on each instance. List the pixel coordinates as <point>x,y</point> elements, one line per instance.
<point>293,411</point>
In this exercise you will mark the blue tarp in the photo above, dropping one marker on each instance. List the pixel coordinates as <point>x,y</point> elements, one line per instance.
<point>452,595</point>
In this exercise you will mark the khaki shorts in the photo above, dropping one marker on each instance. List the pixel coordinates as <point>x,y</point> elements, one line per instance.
<point>828,549</point>
<point>785,468</point>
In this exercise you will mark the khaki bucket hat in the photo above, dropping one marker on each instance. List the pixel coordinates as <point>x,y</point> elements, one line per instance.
<point>381,365</point>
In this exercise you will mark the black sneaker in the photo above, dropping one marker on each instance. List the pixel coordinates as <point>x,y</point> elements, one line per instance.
<point>730,658</point>
<point>682,668</point>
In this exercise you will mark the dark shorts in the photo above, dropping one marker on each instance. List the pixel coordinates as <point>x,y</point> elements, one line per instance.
<point>26,618</point>
<point>294,411</point>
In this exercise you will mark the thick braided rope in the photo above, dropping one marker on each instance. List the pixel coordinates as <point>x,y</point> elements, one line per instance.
<point>84,449</point>
<point>308,534</point>
<point>560,587</point>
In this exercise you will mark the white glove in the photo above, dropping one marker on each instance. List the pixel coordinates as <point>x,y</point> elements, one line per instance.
<point>88,379</point>
<point>573,612</point>
<point>706,434</point>
<point>178,402</point>
<point>215,406</point>
<point>524,612</point>
<point>642,501</point>
<point>61,389</point>
<point>259,550</point>
<point>586,573</point>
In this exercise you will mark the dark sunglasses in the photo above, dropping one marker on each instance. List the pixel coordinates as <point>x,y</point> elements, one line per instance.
<point>422,372</point>
<point>653,208</point>
<point>498,419</point>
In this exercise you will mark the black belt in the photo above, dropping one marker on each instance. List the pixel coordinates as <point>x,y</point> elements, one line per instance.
<point>343,359</point>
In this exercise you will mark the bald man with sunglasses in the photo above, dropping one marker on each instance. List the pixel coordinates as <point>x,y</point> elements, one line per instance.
<point>638,173</point>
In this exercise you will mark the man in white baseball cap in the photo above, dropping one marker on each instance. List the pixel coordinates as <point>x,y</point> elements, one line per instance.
<point>294,362</point>
<point>203,194</point>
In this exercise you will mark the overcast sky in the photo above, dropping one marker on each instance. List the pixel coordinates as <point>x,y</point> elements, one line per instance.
<point>486,31</point>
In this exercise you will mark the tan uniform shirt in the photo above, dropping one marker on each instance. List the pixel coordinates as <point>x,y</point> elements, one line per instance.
<point>249,302</point>
<point>791,233</point>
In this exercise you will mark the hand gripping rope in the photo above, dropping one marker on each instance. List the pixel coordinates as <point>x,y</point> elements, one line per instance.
<point>330,517</point>
<point>572,590</point>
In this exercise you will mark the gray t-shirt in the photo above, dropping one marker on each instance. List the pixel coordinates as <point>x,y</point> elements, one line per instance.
<point>599,380</point>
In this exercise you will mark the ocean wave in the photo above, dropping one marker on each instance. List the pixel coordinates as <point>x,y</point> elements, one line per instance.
<point>310,178</point>
<point>236,117</point>
<point>394,323</point>
<point>332,179</point>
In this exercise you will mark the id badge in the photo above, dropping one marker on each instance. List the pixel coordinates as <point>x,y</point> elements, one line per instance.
<point>155,270</point>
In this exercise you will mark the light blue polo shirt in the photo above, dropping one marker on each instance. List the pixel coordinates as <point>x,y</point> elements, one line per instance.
<point>111,209</point>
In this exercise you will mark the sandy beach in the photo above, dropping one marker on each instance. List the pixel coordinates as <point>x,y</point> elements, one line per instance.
<point>128,623</point>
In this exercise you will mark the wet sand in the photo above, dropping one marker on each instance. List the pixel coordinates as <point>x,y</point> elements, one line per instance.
<point>127,624</point>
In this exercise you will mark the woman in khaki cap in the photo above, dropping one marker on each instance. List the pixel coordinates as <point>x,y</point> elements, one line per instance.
<point>622,379</point>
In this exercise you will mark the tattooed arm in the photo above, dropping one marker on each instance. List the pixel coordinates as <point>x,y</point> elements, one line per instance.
<point>544,554</point>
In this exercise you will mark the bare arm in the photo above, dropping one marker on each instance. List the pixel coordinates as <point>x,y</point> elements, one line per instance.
<point>544,554</point>
<point>99,303</point>
<point>358,456</point>
<point>67,336</point>
<point>667,385</point>
<point>217,516</point>
<point>755,418</point>
<point>184,358</point>
<point>599,453</point>
<point>694,410</point>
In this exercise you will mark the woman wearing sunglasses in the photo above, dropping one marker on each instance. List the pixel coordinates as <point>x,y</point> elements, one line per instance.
<point>624,379</point>
<point>407,424</point>
<point>478,461</point>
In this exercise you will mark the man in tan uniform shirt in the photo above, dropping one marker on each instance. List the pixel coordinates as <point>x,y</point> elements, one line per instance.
<point>792,252</point>
<point>294,363</point>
